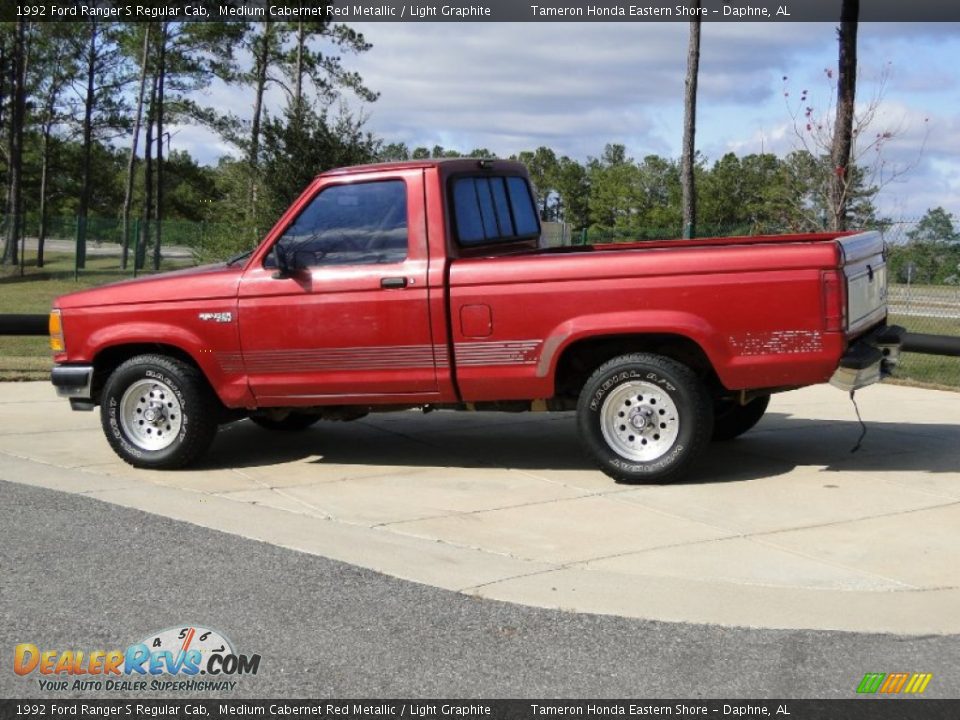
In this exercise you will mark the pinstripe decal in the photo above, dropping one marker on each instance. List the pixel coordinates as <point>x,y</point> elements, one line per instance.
<point>515,352</point>
<point>471,354</point>
<point>230,362</point>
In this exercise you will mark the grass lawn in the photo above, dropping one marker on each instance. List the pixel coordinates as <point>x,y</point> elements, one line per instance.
<point>28,358</point>
<point>931,370</point>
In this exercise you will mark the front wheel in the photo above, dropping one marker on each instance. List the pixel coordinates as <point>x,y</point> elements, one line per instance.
<point>644,418</point>
<point>158,412</point>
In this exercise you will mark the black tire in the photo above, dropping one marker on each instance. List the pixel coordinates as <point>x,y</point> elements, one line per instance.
<point>292,422</point>
<point>731,419</point>
<point>626,404</point>
<point>158,412</point>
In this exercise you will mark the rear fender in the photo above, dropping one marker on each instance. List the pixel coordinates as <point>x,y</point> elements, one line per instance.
<point>639,323</point>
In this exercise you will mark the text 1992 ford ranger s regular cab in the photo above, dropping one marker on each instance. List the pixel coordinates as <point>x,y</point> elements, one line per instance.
<point>421,284</point>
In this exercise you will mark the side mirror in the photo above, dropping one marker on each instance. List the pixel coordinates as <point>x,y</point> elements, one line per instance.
<point>291,266</point>
<point>305,259</point>
<point>283,267</point>
<point>296,264</point>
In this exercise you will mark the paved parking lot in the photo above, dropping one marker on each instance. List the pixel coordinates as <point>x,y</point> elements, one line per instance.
<point>783,528</point>
<point>332,630</point>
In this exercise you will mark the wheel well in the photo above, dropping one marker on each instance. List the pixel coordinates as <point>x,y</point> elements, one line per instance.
<point>109,359</point>
<point>581,358</point>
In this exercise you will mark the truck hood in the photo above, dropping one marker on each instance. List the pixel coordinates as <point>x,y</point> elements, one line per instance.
<point>200,283</point>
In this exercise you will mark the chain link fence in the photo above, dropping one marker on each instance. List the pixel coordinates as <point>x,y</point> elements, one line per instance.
<point>145,247</point>
<point>923,266</point>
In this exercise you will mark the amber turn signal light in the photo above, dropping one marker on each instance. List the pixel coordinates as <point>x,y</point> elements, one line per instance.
<point>56,332</point>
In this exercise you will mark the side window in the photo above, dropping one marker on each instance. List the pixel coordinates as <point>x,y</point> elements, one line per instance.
<point>493,209</point>
<point>358,224</point>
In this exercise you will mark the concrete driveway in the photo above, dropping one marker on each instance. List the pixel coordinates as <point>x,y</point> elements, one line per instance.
<point>783,528</point>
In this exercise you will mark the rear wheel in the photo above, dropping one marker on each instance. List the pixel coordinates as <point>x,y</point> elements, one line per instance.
<point>644,417</point>
<point>158,412</point>
<point>291,422</point>
<point>731,419</point>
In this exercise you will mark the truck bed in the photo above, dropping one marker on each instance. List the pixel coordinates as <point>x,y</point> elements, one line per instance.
<point>704,290</point>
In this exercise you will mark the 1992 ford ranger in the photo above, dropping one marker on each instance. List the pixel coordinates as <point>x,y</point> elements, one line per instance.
<point>422,284</point>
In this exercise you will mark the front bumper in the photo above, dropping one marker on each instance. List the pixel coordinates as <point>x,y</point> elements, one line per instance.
<point>870,359</point>
<point>74,382</point>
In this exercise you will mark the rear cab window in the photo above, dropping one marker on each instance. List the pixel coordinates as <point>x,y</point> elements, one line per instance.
<point>490,209</point>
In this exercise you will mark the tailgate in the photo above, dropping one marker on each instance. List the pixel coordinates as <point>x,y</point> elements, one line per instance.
<point>865,269</point>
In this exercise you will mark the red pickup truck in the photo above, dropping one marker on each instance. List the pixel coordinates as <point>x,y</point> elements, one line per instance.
<point>423,285</point>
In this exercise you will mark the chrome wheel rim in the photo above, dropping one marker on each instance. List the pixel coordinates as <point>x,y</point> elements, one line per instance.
<point>639,421</point>
<point>151,415</point>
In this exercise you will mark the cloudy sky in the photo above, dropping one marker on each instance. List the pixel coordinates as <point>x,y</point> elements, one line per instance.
<point>575,87</point>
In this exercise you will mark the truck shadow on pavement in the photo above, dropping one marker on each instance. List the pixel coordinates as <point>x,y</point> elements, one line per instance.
<point>549,443</point>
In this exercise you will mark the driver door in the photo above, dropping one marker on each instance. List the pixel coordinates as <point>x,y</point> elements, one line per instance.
<point>346,319</point>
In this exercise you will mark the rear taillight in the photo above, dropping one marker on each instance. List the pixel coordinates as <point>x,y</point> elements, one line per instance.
<point>834,301</point>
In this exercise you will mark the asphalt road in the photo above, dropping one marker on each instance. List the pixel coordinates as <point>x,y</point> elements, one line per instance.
<point>78,573</point>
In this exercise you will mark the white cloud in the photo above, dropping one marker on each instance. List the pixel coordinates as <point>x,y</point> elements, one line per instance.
<point>577,86</point>
<point>569,85</point>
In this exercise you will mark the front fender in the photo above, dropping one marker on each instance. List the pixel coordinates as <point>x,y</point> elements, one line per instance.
<point>213,346</point>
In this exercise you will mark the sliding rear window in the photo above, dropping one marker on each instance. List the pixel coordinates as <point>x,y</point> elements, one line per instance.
<point>493,209</point>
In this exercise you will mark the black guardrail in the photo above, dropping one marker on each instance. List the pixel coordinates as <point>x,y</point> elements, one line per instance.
<point>931,344</point>
<point>23,324</point>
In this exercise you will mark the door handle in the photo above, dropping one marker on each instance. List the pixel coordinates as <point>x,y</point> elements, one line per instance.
<point>393,283</point>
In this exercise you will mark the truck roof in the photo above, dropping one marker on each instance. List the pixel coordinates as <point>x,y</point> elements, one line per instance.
<point>449,165</point>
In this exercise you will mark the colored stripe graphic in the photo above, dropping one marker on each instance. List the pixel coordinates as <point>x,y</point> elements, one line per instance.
<point>894,683</point>
<point>871,682</point>
<point>918,683</point>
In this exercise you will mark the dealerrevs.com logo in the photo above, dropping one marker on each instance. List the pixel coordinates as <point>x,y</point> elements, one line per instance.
<point>187,658</point>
